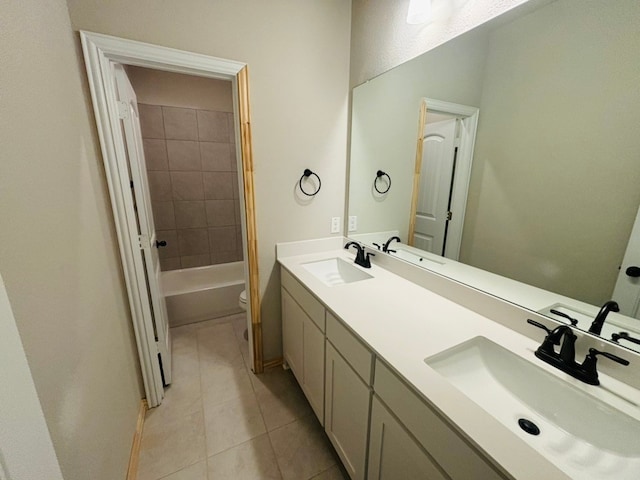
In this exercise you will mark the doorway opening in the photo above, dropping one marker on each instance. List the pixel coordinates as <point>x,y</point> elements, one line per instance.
<point>139,138</point>
<point>444,153</point>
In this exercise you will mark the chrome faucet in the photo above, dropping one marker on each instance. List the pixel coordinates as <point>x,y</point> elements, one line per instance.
<point>362,259</point>
<point>596,325</point>
<point>385,247</point>
<point>565,360</point>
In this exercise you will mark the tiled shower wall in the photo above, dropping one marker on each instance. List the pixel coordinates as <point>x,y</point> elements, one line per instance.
<point>191,165</point>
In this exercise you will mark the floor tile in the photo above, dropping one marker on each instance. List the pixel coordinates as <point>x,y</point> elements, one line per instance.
<point>280,398</point>
<point>171,445</point>
<point>225,382</point>
<point>231,423</point>
<point>334,473</point>
<point>253,460</point>
<point>197,471</point>
<point>183,397</point>
<point>302,449</point>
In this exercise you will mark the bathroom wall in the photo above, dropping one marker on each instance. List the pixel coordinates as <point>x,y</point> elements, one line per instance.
<point>58,249</point>
<point>190,153</point>
<point>298,58</point>
<point>381,38</point>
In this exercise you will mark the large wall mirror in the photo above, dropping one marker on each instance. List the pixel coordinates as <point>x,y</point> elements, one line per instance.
<point>519,141</point>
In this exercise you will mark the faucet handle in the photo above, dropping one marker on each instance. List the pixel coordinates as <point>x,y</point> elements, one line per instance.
<point>591,356</point>
<point>377,246</point>
<point>539,325</point>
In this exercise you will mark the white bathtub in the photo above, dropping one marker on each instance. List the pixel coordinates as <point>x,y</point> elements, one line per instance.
<point>197,294</point>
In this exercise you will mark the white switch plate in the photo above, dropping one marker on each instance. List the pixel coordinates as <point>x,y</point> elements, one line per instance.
<point>335,224</point>
<point>353,223</point>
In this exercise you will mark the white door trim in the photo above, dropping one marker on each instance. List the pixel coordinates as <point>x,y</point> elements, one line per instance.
<point>463,168</point>
<point>100,51</point>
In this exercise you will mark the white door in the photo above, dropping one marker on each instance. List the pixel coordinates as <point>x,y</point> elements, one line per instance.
<point>627,290</point>
<point>149,279</point>
<point>436,175</point>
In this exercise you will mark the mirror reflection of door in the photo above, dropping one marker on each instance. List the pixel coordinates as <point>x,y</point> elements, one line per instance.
<point>435,187</point>
<point>627,289</point>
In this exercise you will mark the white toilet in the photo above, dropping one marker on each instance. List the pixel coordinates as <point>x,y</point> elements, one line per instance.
<point>242,300</point>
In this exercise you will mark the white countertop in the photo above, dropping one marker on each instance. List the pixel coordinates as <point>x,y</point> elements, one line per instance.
<point>404,323</point>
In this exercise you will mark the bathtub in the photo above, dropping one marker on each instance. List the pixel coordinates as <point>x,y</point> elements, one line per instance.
<point>197,294</point>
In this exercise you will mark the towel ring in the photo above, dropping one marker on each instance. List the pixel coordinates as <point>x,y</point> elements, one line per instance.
<point>307,173</point>
<point>379,175</point>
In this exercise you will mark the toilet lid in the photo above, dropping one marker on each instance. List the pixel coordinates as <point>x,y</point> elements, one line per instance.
<point>243,296</point>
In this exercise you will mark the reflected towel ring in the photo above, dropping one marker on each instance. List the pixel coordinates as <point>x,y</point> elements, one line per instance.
<point>307,173</point>
<point>379,175</point>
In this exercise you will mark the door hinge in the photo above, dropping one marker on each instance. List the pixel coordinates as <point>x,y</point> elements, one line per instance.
<point>123,110</point>
<point>143,241</point>
<point>449,215</point>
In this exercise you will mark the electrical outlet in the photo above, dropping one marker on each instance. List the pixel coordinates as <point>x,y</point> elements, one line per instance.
<point>353,223</point>
<point>335,224</point>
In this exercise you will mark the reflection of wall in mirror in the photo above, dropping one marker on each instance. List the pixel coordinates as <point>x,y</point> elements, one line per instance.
<point>587,146</point>
<point>554,188</point>
<point>384,126</point>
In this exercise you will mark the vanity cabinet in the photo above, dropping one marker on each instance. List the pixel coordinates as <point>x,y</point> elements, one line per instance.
<point>303,340</point>
<point>394,453</point>
<point>347,396</point>
<point>380,427</point>
<point>440,445</point>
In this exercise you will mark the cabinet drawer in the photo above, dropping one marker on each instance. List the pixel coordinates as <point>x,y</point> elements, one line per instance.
<point>308,302</point>
<point>356,354</point>
<point>442,443</point>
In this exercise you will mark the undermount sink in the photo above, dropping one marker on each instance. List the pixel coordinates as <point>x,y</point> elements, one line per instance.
<point>584,436</point>
<point>336,271</point>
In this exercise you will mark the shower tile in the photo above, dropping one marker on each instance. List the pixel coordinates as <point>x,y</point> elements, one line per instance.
<point>224,257</point>
<point>215,157</point>
<point>232,157</point>
<point>187,185</point>
<point>220,213</point>
<point>155,154</point>
<point>213,126</point>
<point>151,122</point>
<point>172,263</point>
<point>171,237</point>
<point>235,185</point>
<point>222,239</point>
<point>236,212</point>
<point>249,461</point>
<point>191,261</point>
<point>159,186</point>
<point>180,123</point>
<point>183,155</point>
<point>232,127</point>
<point>218,185</point>
<point>193,241</point>
<point>190,214</point>
<point>164,215</point>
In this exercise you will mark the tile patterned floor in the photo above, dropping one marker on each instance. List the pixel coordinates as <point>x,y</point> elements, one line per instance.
<point>220,421</point>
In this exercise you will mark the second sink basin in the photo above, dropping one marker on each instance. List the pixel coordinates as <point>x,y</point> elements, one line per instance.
<point>335,271</point>
<point>582,435</point>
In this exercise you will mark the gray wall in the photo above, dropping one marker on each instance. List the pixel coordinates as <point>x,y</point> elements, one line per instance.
<point>298,57</point>
<point>58,249</point>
